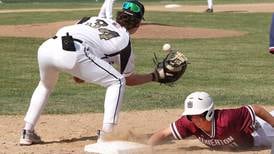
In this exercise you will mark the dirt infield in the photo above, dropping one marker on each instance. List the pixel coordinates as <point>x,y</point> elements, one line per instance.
<point>68,134</point>
<point>147,31</point>
<point>258,7</point>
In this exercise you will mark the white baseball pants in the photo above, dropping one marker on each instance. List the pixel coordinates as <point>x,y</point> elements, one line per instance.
<point>53,59</point>
<point>210,4</point>
<point>264,136</point>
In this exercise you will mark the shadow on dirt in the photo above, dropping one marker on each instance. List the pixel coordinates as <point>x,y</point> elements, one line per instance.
<point>93,138</point>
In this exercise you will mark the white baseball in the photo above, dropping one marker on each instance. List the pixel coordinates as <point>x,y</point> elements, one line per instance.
<point>166,47</point>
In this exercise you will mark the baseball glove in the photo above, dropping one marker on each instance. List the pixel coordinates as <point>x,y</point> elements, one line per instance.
<point>171,68</point>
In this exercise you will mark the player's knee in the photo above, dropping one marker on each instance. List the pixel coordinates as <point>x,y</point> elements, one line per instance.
<point>118,81</point>
<point>122,81</point>
<point>47,86</point>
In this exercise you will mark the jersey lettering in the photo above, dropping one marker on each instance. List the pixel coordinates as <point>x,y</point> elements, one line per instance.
<point>99,23</point>
<point>106,34</point>
<point>217,142</point>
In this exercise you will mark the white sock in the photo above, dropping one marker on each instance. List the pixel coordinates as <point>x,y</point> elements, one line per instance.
<point>29,126</point>
<point>107,128</point>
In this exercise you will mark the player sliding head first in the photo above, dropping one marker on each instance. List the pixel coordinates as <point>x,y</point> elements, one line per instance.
<point>244,127</point>
<point>87,51</point>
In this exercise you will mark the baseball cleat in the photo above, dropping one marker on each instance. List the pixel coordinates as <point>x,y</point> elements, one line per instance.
<point>29,137</point>
<point>209,10</point>
<point>100,136</point>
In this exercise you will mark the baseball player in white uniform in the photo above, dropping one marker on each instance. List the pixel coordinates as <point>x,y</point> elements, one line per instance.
<point>106,9</point>
<point>87,50</point>
<point>209,6</point>
<point>271,36</point>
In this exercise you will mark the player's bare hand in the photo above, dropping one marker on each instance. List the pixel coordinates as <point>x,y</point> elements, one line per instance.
<point>77,80</point>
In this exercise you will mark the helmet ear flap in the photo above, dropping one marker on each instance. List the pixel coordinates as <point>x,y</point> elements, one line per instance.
<point>209,115</point>
<point>188,117</point>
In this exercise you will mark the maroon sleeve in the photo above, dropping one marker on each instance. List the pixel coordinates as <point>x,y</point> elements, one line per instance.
<point>182,128</point>
<point>240,119</point>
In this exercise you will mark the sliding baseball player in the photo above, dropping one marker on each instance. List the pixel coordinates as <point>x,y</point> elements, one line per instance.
<point>244,127</point>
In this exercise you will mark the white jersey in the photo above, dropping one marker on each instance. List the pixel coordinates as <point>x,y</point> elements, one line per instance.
<point>105,39</point>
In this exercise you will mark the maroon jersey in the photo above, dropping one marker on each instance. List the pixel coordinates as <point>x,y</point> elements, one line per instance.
<point>230,127</point>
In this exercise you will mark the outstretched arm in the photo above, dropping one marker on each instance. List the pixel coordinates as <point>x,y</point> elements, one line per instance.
<point>106,9</point>
<point>160,136</point>
<point>138,79</point>
<point>77,80</point>
<point>263,114</point>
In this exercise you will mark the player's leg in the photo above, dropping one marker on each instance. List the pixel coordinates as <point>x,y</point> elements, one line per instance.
<point>48,79</point>
<point>272,149</point>
<point>272,113</point>
<point>271,36</point>
<point>104,74</point>
<point>264,135</point>
<point>40,98</point>
<point>209,6</point>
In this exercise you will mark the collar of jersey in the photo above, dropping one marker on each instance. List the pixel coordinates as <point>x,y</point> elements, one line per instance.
<point>212,134</point>
<point>213,128</point>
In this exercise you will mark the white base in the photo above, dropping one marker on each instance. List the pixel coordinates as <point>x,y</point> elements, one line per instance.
<point>117,147</point>
<point>172,6</point>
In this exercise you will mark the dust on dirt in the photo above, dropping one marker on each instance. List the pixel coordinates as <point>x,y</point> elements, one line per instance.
<point>63,134</point>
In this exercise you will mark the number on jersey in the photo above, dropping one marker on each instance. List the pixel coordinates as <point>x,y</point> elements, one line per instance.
<point>105,34</point>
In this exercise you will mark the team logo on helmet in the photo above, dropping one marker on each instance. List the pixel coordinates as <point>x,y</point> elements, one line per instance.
<point>190,104</point>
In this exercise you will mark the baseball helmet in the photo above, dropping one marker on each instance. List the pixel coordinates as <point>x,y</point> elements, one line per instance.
<point>134,8</point>
<point>199,103</point>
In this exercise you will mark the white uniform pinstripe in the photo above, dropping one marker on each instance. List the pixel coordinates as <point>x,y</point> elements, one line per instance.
<point>103,42</point>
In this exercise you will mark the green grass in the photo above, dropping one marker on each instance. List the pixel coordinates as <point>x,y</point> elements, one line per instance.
<point>34,4</point>
<point>235,70</point>
<point>42,17</point>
